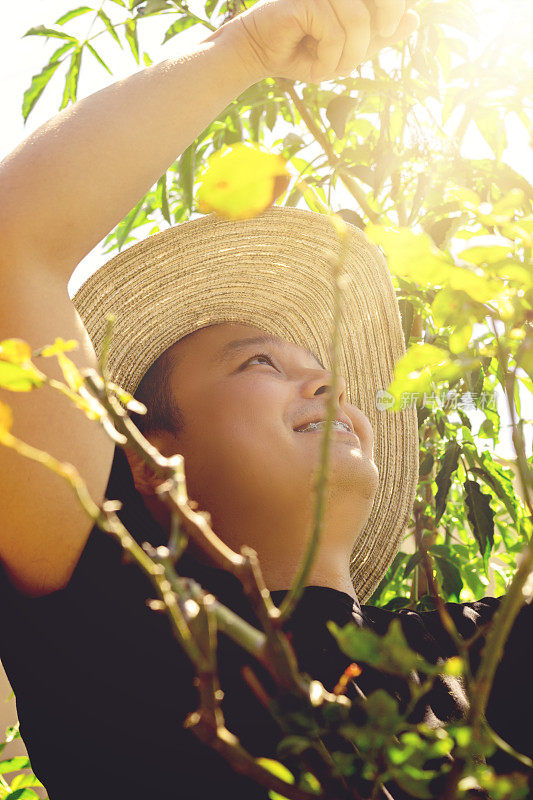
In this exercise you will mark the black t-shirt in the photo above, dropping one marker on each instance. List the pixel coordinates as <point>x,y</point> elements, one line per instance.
<point>103,688</point>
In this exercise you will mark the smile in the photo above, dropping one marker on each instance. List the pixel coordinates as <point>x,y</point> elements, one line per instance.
<point>336,427</point>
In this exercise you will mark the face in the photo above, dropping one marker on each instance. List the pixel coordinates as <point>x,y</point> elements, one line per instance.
<point>243,393</point>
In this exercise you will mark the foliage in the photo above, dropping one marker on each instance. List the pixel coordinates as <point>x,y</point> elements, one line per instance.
<point>22,784</point>
<point>384,148</point>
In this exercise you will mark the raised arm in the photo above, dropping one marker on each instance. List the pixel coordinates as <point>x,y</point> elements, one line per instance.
<point>71,181</point>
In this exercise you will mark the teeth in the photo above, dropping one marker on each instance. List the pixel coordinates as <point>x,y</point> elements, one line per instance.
<point>315,426</point>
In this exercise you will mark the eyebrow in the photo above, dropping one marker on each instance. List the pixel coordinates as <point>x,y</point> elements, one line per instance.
<point>232,349</point>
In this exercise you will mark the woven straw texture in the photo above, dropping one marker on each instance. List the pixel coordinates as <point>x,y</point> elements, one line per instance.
<point>272,272</point>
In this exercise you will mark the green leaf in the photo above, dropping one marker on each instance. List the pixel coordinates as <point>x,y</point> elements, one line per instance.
<point>98,57</point>
<point>37,87</point>
<point>426,464</point>
<point>187,165</point>
<point>41,30</point>
<point>338,111</point>
<point>130,31</point>
<point>76,12</point>
<point>397,602</point>
<point>14,764</point>
<point>415,784</point>
<point>70,91</point>
<point>271,114</point>
<point>389,653</point>
<point>126,225</point>
<point>381,707</point>
<point>61,51</point>
<point>500,484</point>
<point>443,479</point>
<point>25,780</point>
<point>210,6</point>
<point>452,582</point>
<point>22,794</point>
<point>177,27</point>
<point>151,7</point>
<point>295,745</point>
<point>413,560</point>
<point>426,603</point>
<point>109,25</point>
<point>481,517</point>
<point>162,197</point>
<point>492,128</point>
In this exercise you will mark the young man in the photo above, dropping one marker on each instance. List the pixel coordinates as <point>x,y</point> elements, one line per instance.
<point>236,385</point>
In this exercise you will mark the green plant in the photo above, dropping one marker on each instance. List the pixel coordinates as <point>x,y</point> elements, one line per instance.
<point>377,148</point>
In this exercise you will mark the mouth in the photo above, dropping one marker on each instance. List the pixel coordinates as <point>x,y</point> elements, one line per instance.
<point>338,428</point>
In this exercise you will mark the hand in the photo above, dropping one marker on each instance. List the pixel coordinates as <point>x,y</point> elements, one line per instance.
<point>317,40</point>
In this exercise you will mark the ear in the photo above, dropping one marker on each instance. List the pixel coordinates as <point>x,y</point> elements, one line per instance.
<point>145,481</point>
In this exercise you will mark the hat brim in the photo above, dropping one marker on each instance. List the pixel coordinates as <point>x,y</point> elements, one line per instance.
<point>272,272</point>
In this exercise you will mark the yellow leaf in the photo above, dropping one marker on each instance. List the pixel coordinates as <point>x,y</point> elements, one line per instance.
<point>412,255</point>
<point>241,181</point>
<point>447,307</point>
<point>510,202</point>
<point>15,351</point>
<point>6,419</point>
<point>280,771</point>
<point>460,338</point>
<point>59,346</point>
<point>485,255</point>
<point>466,197</point>
<point>127,399</point>
<point>418,369</point>
<point>479,287</point>
<point>70,372</point>
<point>19,377</point>
<point>454,666</point>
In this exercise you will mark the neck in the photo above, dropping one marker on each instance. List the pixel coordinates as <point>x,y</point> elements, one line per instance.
<point>280,556</point>
<point>332,572</point>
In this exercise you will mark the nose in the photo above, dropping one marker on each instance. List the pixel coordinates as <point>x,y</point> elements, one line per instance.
<point>321,382</point>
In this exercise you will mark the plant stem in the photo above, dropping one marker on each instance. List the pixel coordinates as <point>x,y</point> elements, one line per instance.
<point>293,595</point>
<point>334,161</point>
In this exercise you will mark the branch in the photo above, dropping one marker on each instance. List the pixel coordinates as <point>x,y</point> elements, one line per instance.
<point>293,595</point>
<point>278,651</point>
<point>334,161</point>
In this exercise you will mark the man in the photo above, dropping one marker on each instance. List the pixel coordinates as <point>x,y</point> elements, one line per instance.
<point>102,712</point>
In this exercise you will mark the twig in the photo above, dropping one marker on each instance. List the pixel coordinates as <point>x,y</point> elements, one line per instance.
<point>293,595</point>
<point>334,161</point>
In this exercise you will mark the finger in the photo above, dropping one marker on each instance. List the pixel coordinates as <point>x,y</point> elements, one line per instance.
<point>354,17</point>
<point>329,35</point>
<point>389,14</point>
<point>408,24</point>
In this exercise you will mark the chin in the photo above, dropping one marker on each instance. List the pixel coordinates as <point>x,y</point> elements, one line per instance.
<point>357,476</point>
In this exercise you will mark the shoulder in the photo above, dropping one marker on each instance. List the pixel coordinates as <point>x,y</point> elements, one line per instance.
<point>424,630</point>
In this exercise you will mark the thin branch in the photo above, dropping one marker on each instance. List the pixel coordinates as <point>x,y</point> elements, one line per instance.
<point>293,595</point>
<point>320,136</point>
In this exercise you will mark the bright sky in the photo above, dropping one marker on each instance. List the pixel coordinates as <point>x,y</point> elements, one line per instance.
<point>21,58</point>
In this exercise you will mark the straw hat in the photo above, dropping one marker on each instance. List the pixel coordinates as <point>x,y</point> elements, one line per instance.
<point>272,272</point>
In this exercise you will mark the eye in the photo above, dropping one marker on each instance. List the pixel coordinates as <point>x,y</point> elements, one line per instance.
<point>259,355</point>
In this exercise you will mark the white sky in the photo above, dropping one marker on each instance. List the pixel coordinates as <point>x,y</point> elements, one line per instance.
<point>21,58</point>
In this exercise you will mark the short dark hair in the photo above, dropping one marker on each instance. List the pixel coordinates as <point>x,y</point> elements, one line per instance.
<point>155,392</point>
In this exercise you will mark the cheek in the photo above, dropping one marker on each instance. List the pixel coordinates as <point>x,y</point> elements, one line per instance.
<point>238,420</point>
<point>363,428</point>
